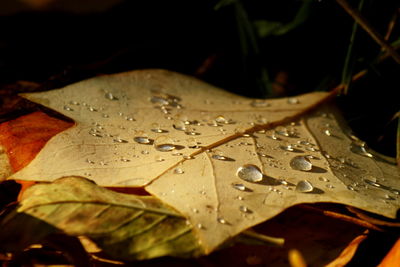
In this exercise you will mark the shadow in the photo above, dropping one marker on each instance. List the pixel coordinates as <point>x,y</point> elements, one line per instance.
<point>267,180</point>
<point>316,169</point>
<point>178,147</point>
<point>316,191</point>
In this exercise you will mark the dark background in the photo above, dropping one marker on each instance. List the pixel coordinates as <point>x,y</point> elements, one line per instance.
<point>55,44</point>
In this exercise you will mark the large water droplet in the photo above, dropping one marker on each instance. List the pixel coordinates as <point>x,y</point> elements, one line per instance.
<point>164,144</point>
<point>110,96</point>
<point>304,186</point>
<point>300,163</point>
<point>142,140</point>
<point>179,125</point>
<point>250,173</point>
<point>282,131</point>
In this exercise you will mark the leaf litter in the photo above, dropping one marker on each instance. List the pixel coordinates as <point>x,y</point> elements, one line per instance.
<point>290,143</point>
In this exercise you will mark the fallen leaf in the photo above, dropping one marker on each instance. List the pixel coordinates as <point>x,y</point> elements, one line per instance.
<point>125,226</point>
<point>224,161</point>
<point>393,257</point>
<point>348,253</point>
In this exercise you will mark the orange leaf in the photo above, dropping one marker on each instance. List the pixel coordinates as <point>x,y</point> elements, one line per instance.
<point>393,257</point>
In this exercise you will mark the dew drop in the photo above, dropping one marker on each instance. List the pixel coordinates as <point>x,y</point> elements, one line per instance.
<point>304,186</point>
<point>119,140</point>
<point>240,187</point>
<point>250,173</point>
<point>178,171</point>
<point>221,220</point>
<point>221,119</point>
<point>351,188</point>
<point>92,109</point>
<point>72,102</point>
<point>159,158</point>
<point>300,163</point>
<point>142,140</point>
<point>240,198</point>
<point>259,103</point>
<point>244,209</point>
<point>327,132</point>
<point>282,131</point>
<point>125,160</point>
<point>287,148</point>
<point>359,148</point>
<point>199,226</point>
<point>67,108</point>
<point>164,144</point>
<point>179,125</point>
<point>105,115</point>
<point>219,155</point>
<point>159,100</point>
<point>156,128</point>
<point>323,179</point>
<point>329,186</point>
<point>110,96</point>
<point>145,152</point>
<point>293,100</point>
<point>129,118</point>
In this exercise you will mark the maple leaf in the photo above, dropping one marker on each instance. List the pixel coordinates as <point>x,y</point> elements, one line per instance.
<point>224,161</point>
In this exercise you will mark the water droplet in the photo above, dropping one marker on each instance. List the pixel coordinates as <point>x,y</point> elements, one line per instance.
<point>240,198</point>
<point>304,186</point>
<point>259,103</point>
<point>192,143</point>
<point>282,131</point>
<point>159,100</point>
<point>244,209</point>
<point>178,171</point>
<point>89,161</point>
<point>274,137</point>
<point>142,140</point>
<point>67,108</point>
<point>119,140</point>
<point>156,128</point>
<point>323,179</point>
<point>72,102</point>
<point>240,187</point>
<point>179,125</point>
<point>249,172</point>
<point>125,160</point>
<point>221,119</point>
<point>219,155</point>
<point>110,96</point>
<point>287,148</point>
<point>92,109</point>
<point>105,115</point>
<point>129,118</point>
<point>144,152</point>
<point>221,220</point>
<point>330,186</point>
<point>293,100</point>
<point>373,183</point>
<point>283,182</point>
<point>95,133</point>
<point>164,144</point>
<point>351,188</point>
<point>360,148</point>
<point>159,158</point>
<point>303,142</point>
<point>199,226</point>
<point>300,163</point>
<point>327,132</point>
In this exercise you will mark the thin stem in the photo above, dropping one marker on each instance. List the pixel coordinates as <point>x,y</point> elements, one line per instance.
<point>371,31</point>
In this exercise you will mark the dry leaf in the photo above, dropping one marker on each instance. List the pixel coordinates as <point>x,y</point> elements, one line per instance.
<point>125,226</point>
<point>224,161</point>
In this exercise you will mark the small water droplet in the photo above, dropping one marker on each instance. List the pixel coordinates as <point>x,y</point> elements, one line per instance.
<point>67,108</point>
<point>159,100</point>
<point>249,172</point>
<point>156,128</point>
<point>105,115</point>
<point>304,186</point>
<point>72,102</point>
<point>293,100</point>
<point>244,209</point>
<point>178,171</point>
<point>199,226</point>
<point>327,132</point>
<point>145,152</point>
<point>142,140</point>
<point>158,158</point>
<point>92,109</point>
<point>330,186</point>
<point>323,179</point>
<point>221,220</point>
<point>300,163</point>
<point>240,187</point>
<point>351,188</point>
<point>303,142</point>
<point>283,182</point>
<point>125,160</point>
<point>274,137</point>
<point>259,103</point>
<point>110,96</point>
<point>119,140</point>
<point>373,183</point>
<point>240,198</point>
<point>129,118</point>
<point>359,147</point>
<point>287,148</point>
<point>89,161</point>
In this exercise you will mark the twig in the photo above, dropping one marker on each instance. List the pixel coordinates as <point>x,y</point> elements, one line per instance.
<point>343,217</point>
<point>371,31</point>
